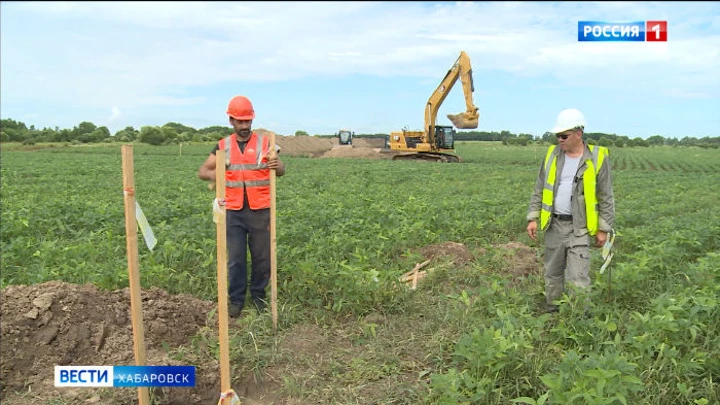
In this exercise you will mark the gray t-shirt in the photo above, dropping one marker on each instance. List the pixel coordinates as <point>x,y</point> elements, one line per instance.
<point>562,200</point>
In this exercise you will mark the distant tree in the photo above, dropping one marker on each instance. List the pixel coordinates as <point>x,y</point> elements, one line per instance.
<point>214,136</point>
<point>213,130</point>
<point>637,141</point>
<point>152,135</point>
<point>128,134</point>
<point>528,137</point>
<point>656,140</point>
<point>14,130</point>
<point>95,136</point>
<point>605,141</point>
<point>687,141</point>
<point>83,128</point>
<point>301,133</point>
<point>7,123</point>
<point>169,134</point>
<point>105,131</point>
<point>185,137</point>
<point>179,128</point>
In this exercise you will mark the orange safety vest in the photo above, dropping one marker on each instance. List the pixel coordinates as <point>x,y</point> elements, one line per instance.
<point>246,172</point>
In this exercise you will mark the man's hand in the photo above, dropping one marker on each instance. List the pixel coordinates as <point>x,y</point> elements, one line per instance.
<point>532,229</point>
<point>273,162</point>
<point>600,238</point>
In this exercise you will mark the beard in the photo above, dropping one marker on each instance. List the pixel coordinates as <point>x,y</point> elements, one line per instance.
<point>244,132</point>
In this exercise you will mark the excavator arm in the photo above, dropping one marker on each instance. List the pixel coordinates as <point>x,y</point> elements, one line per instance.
<point>465,120</point>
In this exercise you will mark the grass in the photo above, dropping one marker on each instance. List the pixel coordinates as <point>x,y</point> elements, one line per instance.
<point>348,333</point>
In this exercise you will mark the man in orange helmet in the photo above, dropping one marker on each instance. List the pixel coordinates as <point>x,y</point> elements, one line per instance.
<point>247,204</point>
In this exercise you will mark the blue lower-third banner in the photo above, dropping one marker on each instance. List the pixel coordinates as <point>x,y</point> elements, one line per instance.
<point>124,376</point>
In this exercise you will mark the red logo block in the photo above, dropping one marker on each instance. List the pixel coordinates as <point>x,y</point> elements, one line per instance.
<point>655,31</point>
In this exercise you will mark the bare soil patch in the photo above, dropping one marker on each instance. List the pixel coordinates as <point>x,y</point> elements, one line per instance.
<point>57,323</point>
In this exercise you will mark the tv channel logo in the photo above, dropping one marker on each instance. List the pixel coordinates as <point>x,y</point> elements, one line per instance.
<point>636,31</point>
<point>124,376</point>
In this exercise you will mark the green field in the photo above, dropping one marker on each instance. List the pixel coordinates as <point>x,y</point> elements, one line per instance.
<point>348,228</point>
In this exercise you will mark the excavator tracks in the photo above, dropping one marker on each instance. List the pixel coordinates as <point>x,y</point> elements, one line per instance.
<point>428,157</point>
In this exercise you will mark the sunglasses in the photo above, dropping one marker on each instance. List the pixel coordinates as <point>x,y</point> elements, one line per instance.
<point>563,136</point>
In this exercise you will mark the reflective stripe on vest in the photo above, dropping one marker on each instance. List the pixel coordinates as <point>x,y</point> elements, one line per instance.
<point>242,173</point>
<point>589,189</point>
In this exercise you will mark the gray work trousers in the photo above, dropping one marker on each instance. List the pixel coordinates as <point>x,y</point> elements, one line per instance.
<point>567,258</point>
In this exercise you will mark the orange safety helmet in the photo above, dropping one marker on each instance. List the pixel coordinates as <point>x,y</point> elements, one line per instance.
<point>241,108</point>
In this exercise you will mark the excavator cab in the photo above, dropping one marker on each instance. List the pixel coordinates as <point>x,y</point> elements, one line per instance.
<point>445,137</point>
<point>345,137</point>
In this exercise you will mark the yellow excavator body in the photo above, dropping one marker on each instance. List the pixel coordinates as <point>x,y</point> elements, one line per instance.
<point>435,142</point>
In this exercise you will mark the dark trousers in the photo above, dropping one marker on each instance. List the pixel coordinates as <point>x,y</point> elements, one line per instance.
<point>248,228</point>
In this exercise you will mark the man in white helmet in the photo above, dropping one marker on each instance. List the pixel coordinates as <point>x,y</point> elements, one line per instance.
<point>572,202</point>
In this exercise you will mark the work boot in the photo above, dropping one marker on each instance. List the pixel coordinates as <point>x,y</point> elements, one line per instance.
<point>234,310</point>
<point>260,305</point>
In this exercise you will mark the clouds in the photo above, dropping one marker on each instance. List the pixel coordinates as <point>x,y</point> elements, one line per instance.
<point>115,114</point>
<point>138,54</point>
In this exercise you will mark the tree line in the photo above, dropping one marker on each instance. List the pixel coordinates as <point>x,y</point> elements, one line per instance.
<point>172,132</point>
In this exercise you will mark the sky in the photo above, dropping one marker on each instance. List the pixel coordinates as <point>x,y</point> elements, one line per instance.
<point>365,66</point>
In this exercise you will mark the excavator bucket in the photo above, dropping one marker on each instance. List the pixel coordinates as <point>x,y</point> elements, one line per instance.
<point>464,120</point>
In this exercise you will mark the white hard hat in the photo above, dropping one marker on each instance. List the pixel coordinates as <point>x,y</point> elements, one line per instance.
<point>568,118</point>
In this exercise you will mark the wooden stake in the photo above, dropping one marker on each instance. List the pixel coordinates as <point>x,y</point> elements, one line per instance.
<point>417,267</point>
<point>222,271</point>
<point>273,239</point>
<point>410,278</point>
<point>609,297</point>
<point>133,264</point>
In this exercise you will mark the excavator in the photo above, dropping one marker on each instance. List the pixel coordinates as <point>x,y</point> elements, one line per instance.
<point>435,143</point>
<point>345,137</point>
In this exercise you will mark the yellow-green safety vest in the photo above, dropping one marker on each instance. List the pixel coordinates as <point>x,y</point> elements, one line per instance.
<point>589,180</point>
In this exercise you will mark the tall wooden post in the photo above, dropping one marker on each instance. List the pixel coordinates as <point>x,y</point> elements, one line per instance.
<point>222,271</point>
<point>133,273</point>
<point>273,238</point>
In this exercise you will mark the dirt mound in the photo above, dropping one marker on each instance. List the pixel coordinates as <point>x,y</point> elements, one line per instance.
<point>521,260</point>
<point>364,148</point>
<point>308,146</point>
<point>362,142</point>
<point>368,142</point>
<point>457,252</point>
<point>355,152</point>
<point>315,147</point>
<point>56,323</point>
<point>518,259</point>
